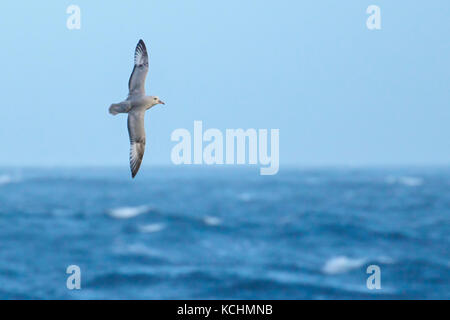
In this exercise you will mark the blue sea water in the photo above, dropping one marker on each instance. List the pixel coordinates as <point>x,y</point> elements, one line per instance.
<point>220,233</point>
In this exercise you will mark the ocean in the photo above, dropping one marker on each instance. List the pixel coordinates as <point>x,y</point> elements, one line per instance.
<point>225,233</point>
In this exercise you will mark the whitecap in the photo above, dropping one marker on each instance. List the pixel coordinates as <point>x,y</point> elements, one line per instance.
<point>410,181</point>
<point>128,212</point>
<point>406,181</point>
<point>150,228</point>
<point>342,264</point>
<point>245,197</point>
<point>385,260</point>
<point>212,221</point>
<point>5,179</point>
<point>135,248</point>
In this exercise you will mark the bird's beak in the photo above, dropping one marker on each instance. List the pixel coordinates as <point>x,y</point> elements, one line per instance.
<point>162,102</point>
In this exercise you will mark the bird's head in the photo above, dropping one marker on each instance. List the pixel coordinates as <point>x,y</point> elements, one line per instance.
<point>156,100</point>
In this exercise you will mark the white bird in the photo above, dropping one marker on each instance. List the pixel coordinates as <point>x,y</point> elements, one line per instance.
<point>135,105</point>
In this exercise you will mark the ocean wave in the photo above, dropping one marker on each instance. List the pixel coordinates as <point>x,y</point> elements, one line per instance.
<point>117,279</point>
<point>385,260</point>
<point>312,180</point>
<point>5,179</point>
<point>342,264</point>
<point>151,228</point>
<point>212,221</point>
<point>128,212</point>
<point>406,181</point>
<point>245,197</point>
<point>137,249</point>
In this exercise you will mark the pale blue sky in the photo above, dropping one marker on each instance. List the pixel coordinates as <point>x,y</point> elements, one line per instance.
<point>339,93</point>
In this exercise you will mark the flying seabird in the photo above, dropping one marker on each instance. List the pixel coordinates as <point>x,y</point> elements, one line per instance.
<point>135,105</point>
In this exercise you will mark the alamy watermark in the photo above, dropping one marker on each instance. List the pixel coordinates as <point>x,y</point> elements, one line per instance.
<point>374,280</point>
<point>374,20</point>
<point>74,280</point>
<point>74,20</point>
<point>234,147</point>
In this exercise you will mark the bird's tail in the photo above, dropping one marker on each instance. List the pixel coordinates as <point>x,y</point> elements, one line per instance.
<point>122,107</point>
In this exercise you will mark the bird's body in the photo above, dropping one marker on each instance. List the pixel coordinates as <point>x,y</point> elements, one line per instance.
<point>135,105</point>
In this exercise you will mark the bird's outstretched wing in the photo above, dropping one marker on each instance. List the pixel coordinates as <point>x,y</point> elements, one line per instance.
<point>121,107</point>
<point>136,131</point>
<point>136,84</point>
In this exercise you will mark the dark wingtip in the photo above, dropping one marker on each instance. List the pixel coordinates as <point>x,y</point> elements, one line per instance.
<point>141,46</point>
<point>141,43</point>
